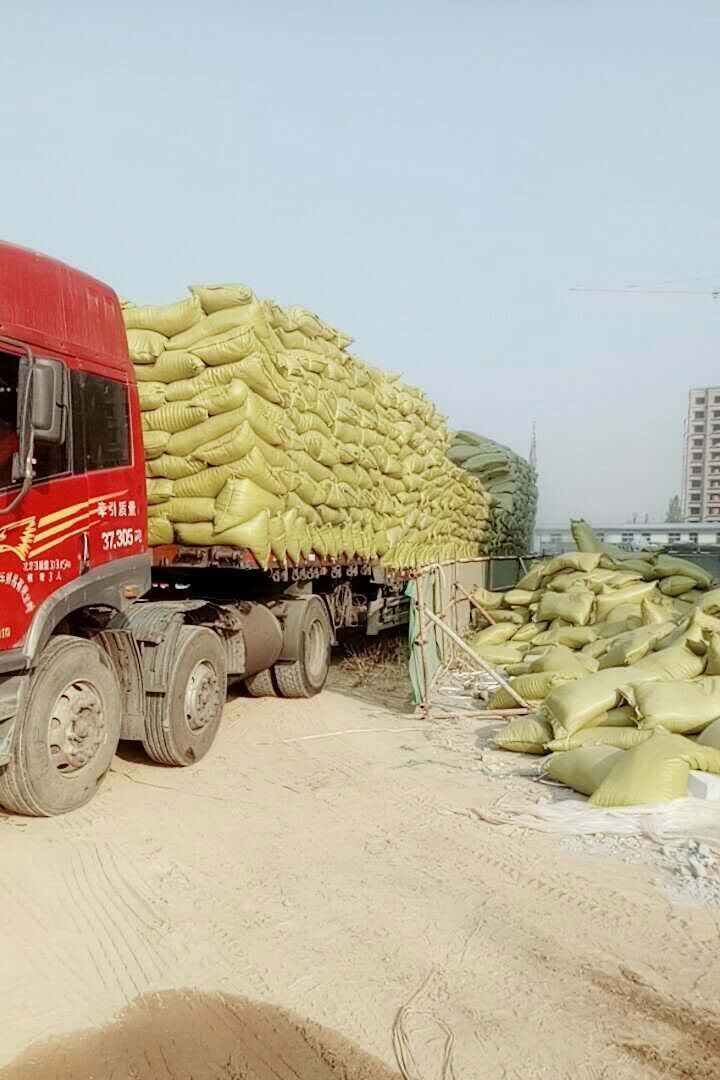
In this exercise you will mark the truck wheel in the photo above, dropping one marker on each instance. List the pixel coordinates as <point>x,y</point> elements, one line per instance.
<point>306,676</point>
<point>67,731</point>
<point>261,684</point>
<point>181,724</point>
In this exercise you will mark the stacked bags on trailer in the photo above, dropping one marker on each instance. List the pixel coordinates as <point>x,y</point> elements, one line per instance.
<point>619,657</point>
<point>263,432</point>
<point>512,485</point>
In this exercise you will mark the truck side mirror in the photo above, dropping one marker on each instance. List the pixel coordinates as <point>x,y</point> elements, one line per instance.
<point>49,409</point>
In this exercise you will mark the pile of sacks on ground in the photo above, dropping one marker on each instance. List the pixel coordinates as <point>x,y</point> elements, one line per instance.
<point>263,432</point>
<point>512,484</point>
<point>618,656</point>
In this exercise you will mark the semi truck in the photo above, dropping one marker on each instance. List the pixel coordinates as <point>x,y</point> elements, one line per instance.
<point>103,638</point>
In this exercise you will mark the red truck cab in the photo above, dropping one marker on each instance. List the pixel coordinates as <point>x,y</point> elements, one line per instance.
<point>89,653</point>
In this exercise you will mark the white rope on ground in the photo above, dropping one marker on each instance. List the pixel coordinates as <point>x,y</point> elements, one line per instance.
<point>354,731</point>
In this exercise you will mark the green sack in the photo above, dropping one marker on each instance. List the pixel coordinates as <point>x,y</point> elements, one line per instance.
<point>206,484</point>
<point>525,735</point>
<point>676,585</point>
<point>222,399</point>
<point>500,654</point>
<point>219,297</point>
<point>684,707</point>
<point>158,491</point>
<point>655,772</point>
<point>584,769</point>
<point>151,395</point>
<point>529,632</point>
<point>670,565</point>
<point>168,369</point>
<point>241,501</point>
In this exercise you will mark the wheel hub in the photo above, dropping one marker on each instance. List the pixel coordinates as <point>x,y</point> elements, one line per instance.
<point>77,727</point>
<point>201,696</point>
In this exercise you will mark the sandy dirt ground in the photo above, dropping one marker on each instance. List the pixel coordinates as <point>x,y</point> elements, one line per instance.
<point>320,898</point>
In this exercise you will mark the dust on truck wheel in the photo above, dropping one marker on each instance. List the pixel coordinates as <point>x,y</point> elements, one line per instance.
<point>181,724</point>
<point>67,730</point>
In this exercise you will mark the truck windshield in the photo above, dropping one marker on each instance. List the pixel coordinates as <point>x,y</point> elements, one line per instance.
<point>9,369</point>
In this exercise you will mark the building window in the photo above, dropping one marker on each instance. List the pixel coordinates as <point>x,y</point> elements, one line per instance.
<point>627,537</point>
<point>700,399</point>
<point>674,538</point>
<point>601,536</point>
<point>693,538</point>
<point>697,457</point>
<point>698,442</point>
<point>699,428</point>
<point>695,483</point>
<point>700,414</point>
<point>696,470</point>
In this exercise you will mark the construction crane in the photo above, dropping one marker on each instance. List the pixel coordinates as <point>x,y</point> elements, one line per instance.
<point>659,290</point>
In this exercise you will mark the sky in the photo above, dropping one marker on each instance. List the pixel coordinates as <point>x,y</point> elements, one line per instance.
<point>434,179</point>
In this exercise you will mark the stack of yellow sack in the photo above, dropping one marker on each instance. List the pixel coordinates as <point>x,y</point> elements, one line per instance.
<point>263,432</point>
<point>618,656</point>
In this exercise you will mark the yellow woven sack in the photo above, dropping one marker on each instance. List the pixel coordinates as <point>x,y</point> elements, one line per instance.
<point>584,769</point>
<point>573,560</point>
<point>683,707</point>
<point>494,635</point>
<point>630,647</point>
<point>151,395</point>
<point>226,348</point>
<point>574,607</point>
<point>186,443</point>
<point>169,466</point>
<point>634,593</point>
<point>655,772</point>
<point>189,510</point>
<point>210,326</point>
<point>241,501</point>
<point>231,447</point>
<point>277,537</point>
<point>221,399</point>
<point>622,738</point>
<point>531,687</point>
<point>158,491</point>
<point>154,443</point>
<point>254,467</point>
<point>253,534</point>
<point>195,533</point>
<point>144,346</point>
<point>560,659</point>
<point>166,319</point>
<point>174,418</point>
<point>219,297</point>
<point>294,527</point>
<point>206,484</point>
<point>160,531</point>
<point>525,735</point>
<point>169,368</point>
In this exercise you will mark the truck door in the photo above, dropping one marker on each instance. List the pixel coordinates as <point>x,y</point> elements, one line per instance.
<point>103,421</point>
<point>41,545</point>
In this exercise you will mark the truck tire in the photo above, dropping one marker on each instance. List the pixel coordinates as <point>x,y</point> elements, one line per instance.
<point>261,684</point>
<point>67,730</point>
<point>181,724</point>
<point>307,629</point>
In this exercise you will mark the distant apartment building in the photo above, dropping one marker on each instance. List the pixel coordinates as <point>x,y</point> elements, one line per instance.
<point>701,456</point>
